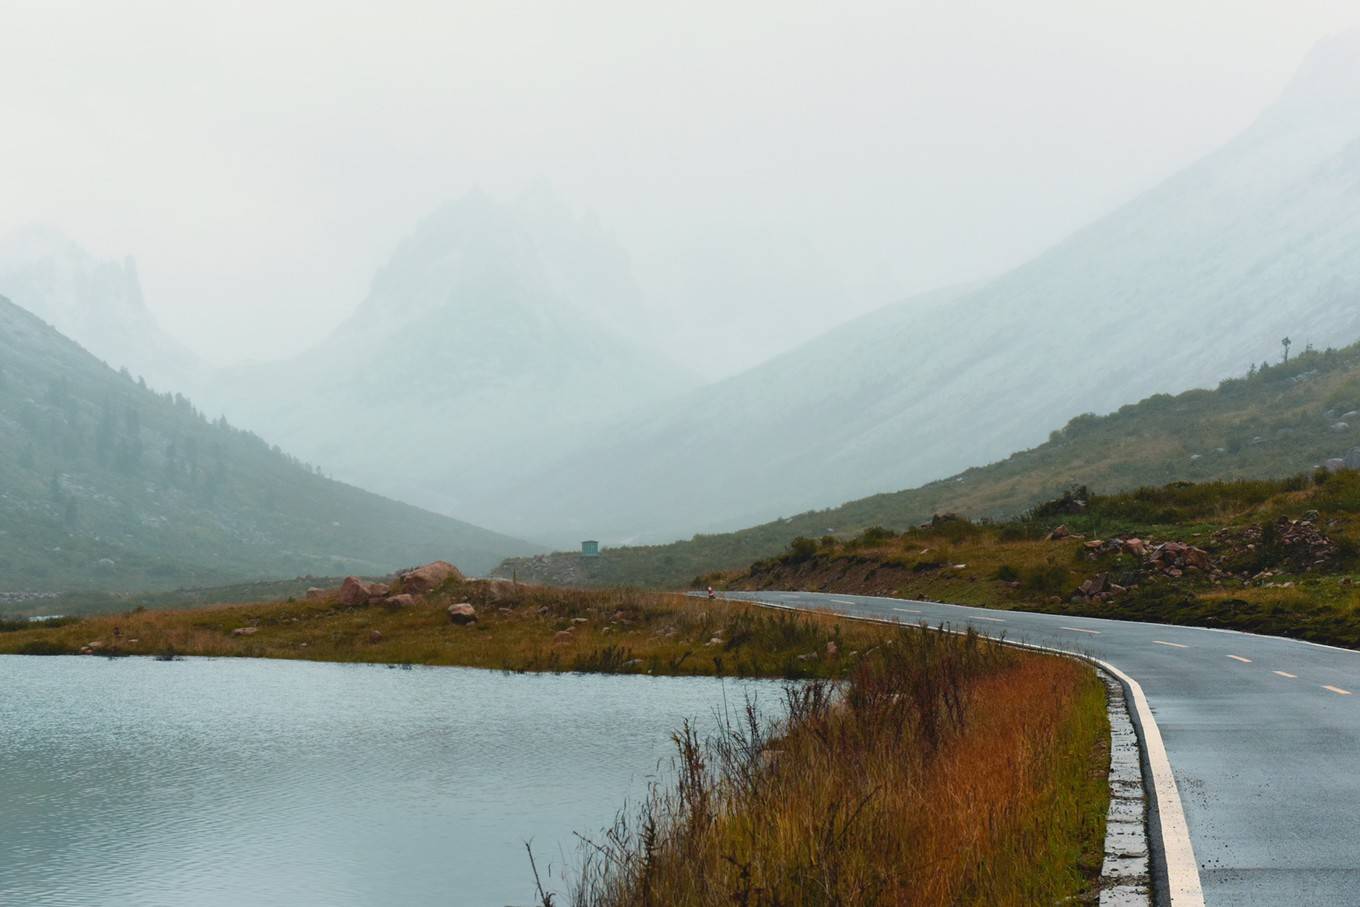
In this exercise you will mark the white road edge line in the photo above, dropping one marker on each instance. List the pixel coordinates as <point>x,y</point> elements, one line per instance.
<point>1245,661</point>
<point>1080,630</point>
<point>906,610</point>
<point>995,620</point>
<point>1182,872</point>
<point>841,601</point>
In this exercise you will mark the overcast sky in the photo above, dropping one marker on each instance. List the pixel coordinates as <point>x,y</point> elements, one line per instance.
<point>774,167</point>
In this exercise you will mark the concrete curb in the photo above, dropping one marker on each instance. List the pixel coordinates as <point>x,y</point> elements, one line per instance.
<point>1175,872</point>
<point>1125,877</point>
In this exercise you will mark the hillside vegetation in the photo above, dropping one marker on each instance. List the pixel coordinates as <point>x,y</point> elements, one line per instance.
<point>1278,420</point>
<point>107,485</point>
<point>1265,556</point>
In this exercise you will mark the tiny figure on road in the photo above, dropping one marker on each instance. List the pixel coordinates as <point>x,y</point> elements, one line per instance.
<point>711,593</point>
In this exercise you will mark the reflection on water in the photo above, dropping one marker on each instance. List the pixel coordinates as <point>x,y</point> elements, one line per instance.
<point>239,782</point>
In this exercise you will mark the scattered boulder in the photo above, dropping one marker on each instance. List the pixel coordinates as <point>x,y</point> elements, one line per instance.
<point>314,592</point>
<point>1059,532</point>
<point>462,613</point>
<point>832,649</point>
<point>400,601</point>
<point>429,577</point>
<point>1304,545</point>
<point>245,631</point>
<point>1095,585</point>
<point>1352,458</point>
<point>1340,427</point>
<point>375,636</point>
<point>1334,464</point>
<point>563,637</point>
<point>357,593</point>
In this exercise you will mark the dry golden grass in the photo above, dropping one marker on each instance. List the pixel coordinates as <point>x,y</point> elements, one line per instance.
<point>953,772</point>
<point>519,627</point>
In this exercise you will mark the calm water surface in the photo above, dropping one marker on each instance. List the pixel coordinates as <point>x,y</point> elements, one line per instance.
<point>242,782</point>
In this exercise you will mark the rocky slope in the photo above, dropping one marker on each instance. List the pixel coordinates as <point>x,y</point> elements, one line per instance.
<point>106,484</point>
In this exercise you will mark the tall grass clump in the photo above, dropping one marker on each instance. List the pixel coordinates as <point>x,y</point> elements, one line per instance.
<point>946,770</point>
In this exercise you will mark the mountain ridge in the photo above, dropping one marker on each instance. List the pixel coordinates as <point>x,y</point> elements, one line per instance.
<point>106,484</point>
<point>1180,287</point>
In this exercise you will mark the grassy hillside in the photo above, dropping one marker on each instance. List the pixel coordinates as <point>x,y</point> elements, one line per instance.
<point>107,485</point>
<point>1265,556</point>
<point>1279,420</point>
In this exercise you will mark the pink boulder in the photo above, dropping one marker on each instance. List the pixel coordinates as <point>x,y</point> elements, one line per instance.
<point>431,576</point>
<point>400,601</point>
<point>462,613</point>
<point>355,592</point>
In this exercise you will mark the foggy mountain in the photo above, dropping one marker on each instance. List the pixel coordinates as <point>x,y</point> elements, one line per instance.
<point>1185,285</point>
<point>96,303</point>
<point>107,484</point>
<point>498,336</point>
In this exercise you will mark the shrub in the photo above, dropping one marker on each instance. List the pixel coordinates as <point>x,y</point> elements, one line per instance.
<point>800,549</point>
<point>1047,579</point>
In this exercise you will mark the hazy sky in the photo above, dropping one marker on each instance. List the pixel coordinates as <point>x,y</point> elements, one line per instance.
<point>772,167</point>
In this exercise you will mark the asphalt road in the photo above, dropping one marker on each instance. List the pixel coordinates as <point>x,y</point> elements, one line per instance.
<point>1263,736</point>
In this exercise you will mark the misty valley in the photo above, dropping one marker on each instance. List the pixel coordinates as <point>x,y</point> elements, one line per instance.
<point>898,484</point>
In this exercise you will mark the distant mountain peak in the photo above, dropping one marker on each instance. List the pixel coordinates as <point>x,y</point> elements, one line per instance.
<point>96,302</point>
<point>1326,86</point>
